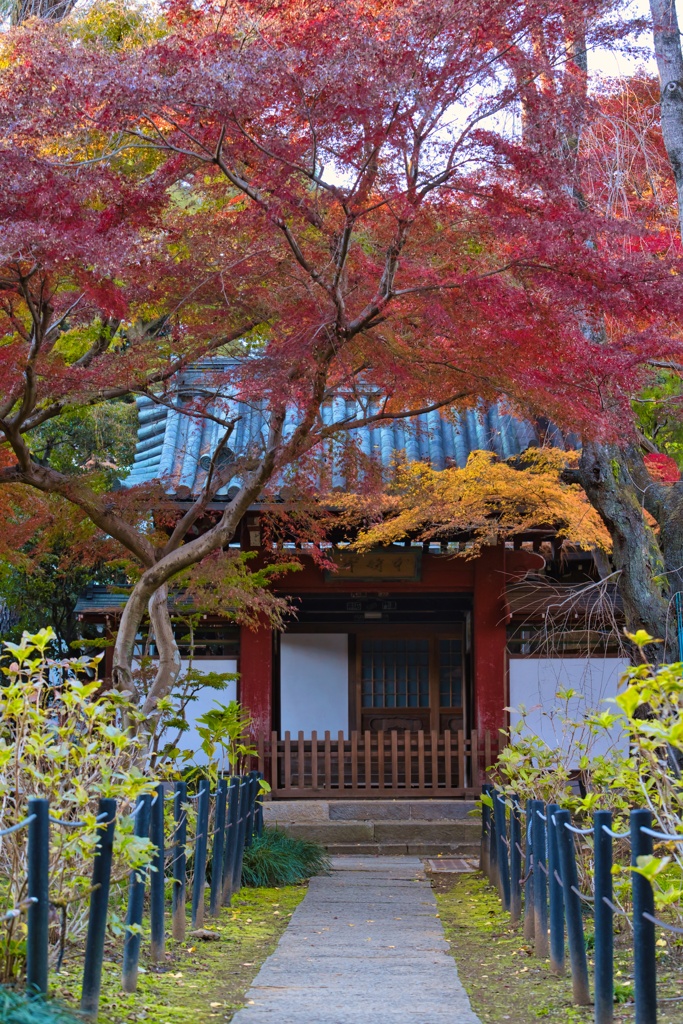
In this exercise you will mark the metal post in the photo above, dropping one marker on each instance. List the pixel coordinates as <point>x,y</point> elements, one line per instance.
<point>245,792</point>
<point>556,896</point>
<point>494,877</point>
<point>484,865</point>
<point>136,897</point>
<point>538,842</point>
<point>529,914</point>
<point>254,780</point>
<point>230,851</point>
<point>156,878</point>
<point>572,909</point>
<point>218,849</point>
<point>201,846</point>
<point>644,961</point>
<point>499,813</point>
<point>258,824</point>
<point>99,904</point>
<point>604,926</point>
<point>515,862</point>
<point>179,860</point>
<point>38,891</point>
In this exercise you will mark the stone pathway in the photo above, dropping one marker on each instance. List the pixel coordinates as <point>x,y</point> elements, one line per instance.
<point>364,945</point>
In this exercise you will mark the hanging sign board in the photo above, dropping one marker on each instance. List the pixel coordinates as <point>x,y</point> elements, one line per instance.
<point>384,564</point>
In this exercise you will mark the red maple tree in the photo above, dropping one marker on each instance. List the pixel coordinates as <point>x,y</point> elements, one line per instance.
<point>330,192</point>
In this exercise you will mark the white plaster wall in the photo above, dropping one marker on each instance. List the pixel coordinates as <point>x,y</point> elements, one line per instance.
<point>206,700</point>
<point>534,683</point>
<point>314,683</point>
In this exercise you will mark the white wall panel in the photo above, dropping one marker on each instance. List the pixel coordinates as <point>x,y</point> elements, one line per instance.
<point>314,683</point>
<point>534,683</point>
<point>207,700</point>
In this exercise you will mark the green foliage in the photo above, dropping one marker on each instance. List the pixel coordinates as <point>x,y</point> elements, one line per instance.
<point>58,741</point>
<point>99,440</point>
<point>16,1008</point>
<point>658,416</point>
<point>117,24</point>
<point>275,858</point>
<point>649,710</point>
<point>224,731</point>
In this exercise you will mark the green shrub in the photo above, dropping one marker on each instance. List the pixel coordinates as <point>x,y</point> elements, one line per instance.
<point>274,858</point>
<point>16,1008</point>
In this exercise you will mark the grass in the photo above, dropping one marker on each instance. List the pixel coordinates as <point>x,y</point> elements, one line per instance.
<point>508,985</point>
<point>199,981</point>
<point>275,858</point>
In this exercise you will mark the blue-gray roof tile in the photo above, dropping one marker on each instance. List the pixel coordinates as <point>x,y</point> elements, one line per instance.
<point>172,441</point>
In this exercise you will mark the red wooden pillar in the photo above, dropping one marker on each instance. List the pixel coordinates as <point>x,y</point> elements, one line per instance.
<point>489,640</point>
<point>256,675</point>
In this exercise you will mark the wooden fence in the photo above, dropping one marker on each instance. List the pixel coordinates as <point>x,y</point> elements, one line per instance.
<point>371,765</point>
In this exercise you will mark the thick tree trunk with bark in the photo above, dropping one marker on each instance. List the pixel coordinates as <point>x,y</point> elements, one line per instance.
<point>144,595</point>
<point>168,666</point>
<point>636,555</point>
<point>667,40</point>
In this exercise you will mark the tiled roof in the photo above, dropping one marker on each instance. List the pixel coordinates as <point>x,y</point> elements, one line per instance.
<point>175,446</point>
<point>100,598</point>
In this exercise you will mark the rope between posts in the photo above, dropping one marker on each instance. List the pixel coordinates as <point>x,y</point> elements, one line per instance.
<point>662,924</point>
<point>616,835</point>
<point>541,816</point>
<point>578,831</point>
<point>76,824</point>
<point>615,910</point>
<point>675,837</point>
<point>587,899</point>
<point>543,868</point>
<point>17,911</point>
<point>558,879</point>
<point>20,824</point>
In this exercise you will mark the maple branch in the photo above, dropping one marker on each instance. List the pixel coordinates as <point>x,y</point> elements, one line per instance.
<point>213,483</point>
<point>366,421</point>
<point>50,481</point>
<point>182,557</point>
<point>101,344</point>
<point>383,294</point>
<point>254,194</point>
<point>158,377</point>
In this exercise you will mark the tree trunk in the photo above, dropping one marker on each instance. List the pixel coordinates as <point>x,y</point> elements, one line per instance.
<point>636,554</point>
<point>667,42</point>
<point>168,566</point>
<point>168,666</point>
<point>47,10</point>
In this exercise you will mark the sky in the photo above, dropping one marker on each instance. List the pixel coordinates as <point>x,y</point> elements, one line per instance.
<point>619,64</point>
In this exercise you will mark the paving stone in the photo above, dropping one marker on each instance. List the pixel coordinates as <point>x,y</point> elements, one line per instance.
<point>391,966</point>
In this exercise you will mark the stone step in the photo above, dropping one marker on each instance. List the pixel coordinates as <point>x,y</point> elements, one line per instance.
<point>463,850</point>
<point>428,838</point>
<point>314,811</point>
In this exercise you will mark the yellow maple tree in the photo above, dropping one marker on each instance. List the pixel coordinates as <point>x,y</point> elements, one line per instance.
<point>489,500</point>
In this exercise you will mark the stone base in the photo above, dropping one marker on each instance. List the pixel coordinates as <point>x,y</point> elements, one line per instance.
<point>422,828</point>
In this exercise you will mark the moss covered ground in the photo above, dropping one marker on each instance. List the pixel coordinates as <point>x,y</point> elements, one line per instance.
<point>508,985</point>
<point>199,981</point>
